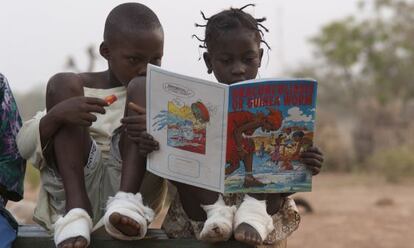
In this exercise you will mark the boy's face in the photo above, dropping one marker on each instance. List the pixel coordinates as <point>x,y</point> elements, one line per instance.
<point>234,56</point>
<point>129,54</point>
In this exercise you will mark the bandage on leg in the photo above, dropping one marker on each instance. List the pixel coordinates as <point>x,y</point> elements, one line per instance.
<point>76,223</point>
<point>253,213</point>
<point>128,205</point>
<point>219,223</point>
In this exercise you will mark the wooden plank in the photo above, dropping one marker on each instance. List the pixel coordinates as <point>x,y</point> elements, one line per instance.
<point>32,236</point>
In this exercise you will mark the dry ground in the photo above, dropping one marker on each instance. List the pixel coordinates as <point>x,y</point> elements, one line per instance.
<point>349,211</point>
<point>357,211</point>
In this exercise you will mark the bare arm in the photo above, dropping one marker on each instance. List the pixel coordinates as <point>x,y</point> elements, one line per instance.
<point>48,126</point>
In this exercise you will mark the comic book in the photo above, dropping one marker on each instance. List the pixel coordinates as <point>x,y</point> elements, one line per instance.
<point>246,137</point>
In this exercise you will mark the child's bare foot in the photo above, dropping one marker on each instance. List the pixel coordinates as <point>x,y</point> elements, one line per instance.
<point>250,181</point>
<point>247,234</point>
<point>76,242</point>
<point>125,225</point>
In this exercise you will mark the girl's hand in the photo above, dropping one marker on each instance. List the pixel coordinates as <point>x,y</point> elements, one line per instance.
<point>136,130</point>
<point>313,159</point>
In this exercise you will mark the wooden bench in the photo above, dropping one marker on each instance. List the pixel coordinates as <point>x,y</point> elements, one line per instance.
<point>33,236</point>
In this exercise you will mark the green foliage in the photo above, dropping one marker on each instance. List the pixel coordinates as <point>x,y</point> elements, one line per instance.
<point>364,64</point>
<point>395,163</point>
<point>375,52</point>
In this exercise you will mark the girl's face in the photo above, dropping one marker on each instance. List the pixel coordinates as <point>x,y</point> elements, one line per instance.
<point>234,56</point>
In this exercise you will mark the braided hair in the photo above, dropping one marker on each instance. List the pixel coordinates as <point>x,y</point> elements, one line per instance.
<point>230,19</point>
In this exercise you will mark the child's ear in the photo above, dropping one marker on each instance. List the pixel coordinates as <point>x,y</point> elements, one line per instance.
<point>104,50</point>
<point>261,56</point>
<point>207,60</point>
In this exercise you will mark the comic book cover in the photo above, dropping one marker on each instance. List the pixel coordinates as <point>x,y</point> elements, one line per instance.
<point>269,123</point>
<point>242,138</point>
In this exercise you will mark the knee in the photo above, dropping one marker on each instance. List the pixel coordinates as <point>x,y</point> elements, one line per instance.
<point>136,90</point>
<point>62,86</point>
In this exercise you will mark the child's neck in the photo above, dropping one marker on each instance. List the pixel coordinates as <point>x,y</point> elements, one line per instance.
<point>99,80</point>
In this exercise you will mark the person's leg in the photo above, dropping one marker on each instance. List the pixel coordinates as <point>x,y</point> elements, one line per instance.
<point>8,232</point>
<point>133,167</point>
<point>71,145</point>
<point>269,205</point>
<point>207,206</point>
<point>193,197</point>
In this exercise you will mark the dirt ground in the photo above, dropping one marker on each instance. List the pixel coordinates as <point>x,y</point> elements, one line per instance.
<point>349,211</point>
<point>357,211</point>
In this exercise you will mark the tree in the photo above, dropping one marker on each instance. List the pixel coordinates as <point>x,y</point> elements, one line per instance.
<point>365,67</point>
<point>373,54</point>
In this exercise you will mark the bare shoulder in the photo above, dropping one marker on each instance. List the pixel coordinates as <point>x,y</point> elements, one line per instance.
<point>98,80</point>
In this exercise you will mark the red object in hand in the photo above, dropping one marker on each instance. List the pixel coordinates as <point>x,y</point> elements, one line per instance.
<point>110,99</point>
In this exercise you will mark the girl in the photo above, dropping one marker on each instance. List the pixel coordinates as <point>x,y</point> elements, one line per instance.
<point>232,40</point>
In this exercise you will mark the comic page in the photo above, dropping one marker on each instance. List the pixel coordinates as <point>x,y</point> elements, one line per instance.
<point>270,122</point>
<point>187,116</point>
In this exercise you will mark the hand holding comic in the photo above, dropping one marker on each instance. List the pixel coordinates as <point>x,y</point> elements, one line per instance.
<point>135,126</point>
<point>313,159</point>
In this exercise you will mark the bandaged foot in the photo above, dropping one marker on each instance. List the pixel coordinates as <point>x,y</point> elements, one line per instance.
<point>126,217</point>
<point>252,222</point>
<point>75,228</point>
<point>219,223</point>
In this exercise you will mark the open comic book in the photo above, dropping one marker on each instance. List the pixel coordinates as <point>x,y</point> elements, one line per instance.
<point>246,137</point>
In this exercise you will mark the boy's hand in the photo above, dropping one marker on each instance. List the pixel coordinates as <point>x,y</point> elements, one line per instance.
<point>78,110</point>
<point>136,130</point>
<point>313,159</point>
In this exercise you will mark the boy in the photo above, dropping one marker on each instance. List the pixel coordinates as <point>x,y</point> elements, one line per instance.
<point>84,153</point>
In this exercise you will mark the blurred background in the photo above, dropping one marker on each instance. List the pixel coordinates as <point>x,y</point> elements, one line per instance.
<point>361,53</point>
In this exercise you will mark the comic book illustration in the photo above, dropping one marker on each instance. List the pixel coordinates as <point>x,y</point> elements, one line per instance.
<point>187,117</point>
<point>246,137</point>
<point>270,122</point>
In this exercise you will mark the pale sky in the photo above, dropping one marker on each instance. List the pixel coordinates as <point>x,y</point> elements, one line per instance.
<point>38,36</point>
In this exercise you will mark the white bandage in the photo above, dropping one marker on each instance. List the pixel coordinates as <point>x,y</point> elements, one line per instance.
<point>76,222</point>
<point>218,216</point>
<point>131,206</point>
<point>253,212</point>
